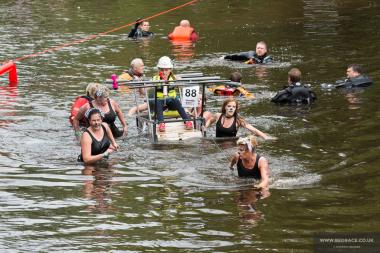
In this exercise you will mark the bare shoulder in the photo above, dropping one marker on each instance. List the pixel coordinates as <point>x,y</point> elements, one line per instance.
<point>263,161</point>
<point>105,125</point>
<point>86,137</point>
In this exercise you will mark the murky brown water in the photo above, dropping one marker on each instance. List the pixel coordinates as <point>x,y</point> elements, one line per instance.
<point>182,197</point>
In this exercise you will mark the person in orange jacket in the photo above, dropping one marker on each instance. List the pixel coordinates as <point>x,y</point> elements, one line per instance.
<point>183,32</point>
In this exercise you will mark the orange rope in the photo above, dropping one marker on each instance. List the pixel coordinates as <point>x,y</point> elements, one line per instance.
<point>91,37</point>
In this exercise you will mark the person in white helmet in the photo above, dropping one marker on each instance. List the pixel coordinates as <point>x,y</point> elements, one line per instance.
<point>167,95</point>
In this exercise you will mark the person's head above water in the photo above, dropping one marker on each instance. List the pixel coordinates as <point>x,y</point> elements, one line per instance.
<point>145,26</point>
<point>185,23</point>
<point>102,95</point>
<point>230,107</point>
<point>354,70</point>
<point>236,77</point>
<point>94,111</point>
<point>91,89</point>
<point>261,48</point>
<point>294,76</point>
<point>248,143</point>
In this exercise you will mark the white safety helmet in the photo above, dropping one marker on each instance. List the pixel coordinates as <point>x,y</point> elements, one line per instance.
<point>165,63</point>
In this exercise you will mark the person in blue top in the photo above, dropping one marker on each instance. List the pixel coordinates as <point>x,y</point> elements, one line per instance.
<point>249,163</point>
<point>259,56</point>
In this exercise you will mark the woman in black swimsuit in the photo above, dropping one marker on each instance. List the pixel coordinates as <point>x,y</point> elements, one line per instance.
<point>249,163</point>
<point>97,139</point>
<point>229,121</point>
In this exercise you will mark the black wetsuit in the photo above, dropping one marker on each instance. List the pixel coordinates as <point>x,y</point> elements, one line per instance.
<point>110,119</point>
<point>295,94</point>
<point>138,33</point>
<point>254,172</point>
<point>225,132</point>
<point>98,147</point>
<point>359,81</point>
<point>245,56</point>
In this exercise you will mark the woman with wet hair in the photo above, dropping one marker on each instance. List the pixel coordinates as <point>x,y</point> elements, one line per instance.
<point>109,107</point>
<point>97,141</point>
<point>229,121</point>
<point>249,163</point>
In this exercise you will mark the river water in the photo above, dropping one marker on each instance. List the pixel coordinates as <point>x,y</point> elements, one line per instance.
<point>181,197</point>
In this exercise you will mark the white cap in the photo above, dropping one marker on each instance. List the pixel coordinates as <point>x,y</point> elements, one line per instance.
<point>165,63</point>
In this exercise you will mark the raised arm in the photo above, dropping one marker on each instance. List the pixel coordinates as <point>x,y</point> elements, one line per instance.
<point>257,132</point>
<point>212,119</point>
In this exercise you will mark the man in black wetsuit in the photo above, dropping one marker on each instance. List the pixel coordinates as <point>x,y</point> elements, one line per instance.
<point>355,78</point>
<point>295,92</point>
<point>253,57</point>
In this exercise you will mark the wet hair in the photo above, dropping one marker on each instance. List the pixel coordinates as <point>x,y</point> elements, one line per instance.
<point>249,141</point>
<point>294,75</point>
<point>356,68</point>
<point>91,89</point>
<point>102,91</point>
<point>138,22</point>
<point>236,77</point>
<point>239,119</point>
<point>93,111</point>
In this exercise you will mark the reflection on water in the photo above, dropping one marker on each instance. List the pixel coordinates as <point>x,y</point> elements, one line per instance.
<point>353,98</point>
<point>247,200</point>
<point>8,101</point>
<point>183,50</point>
<point>99,188</point>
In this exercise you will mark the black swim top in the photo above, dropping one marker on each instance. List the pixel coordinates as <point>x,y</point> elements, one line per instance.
<point>225,132</point>
<point>99,147</point>
<point>110,119</point>
<point>254,172</point>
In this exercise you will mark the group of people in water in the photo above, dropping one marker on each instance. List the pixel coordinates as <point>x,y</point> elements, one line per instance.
<point>93,117</point>
<point>183,31</point>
